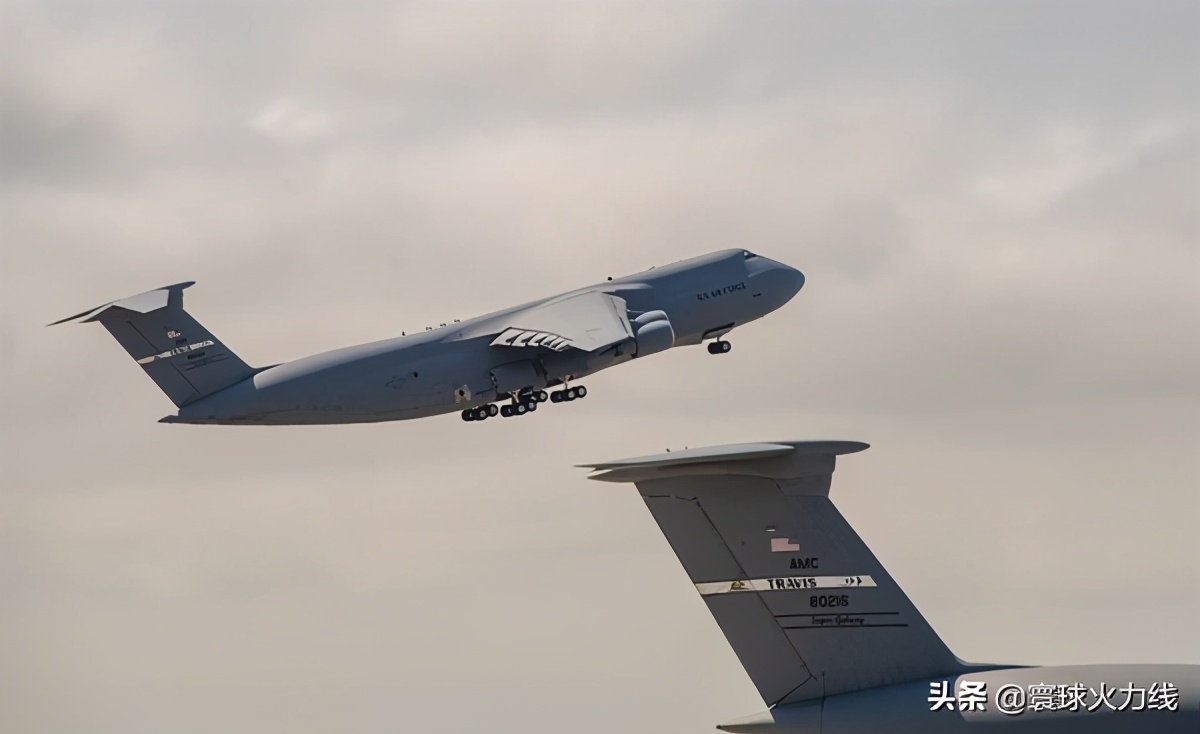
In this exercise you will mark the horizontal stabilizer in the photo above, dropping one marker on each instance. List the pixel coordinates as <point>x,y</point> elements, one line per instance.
<point>141,303</point>
<point>717,459</point>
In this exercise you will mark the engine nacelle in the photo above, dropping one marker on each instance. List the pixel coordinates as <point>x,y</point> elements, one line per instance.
<point>655,336</point>
<point>651,316</point>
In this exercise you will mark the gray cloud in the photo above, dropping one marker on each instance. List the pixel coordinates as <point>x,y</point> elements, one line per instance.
<point>994,204</point>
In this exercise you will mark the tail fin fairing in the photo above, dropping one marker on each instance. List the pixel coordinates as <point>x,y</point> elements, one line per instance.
<point>182,357</point>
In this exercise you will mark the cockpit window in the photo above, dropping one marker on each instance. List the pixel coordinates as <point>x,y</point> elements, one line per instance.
<point>746,254</point>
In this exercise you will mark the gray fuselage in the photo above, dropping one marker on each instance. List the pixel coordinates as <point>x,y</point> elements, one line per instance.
<point>453,367</point>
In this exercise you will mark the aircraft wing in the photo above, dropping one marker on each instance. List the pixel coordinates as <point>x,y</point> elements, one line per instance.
<point>588,321</point>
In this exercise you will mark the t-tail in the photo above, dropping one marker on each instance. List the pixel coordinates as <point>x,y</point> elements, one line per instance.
<point>181,356</point>
<point>809,610</point>
<point>828,638</point>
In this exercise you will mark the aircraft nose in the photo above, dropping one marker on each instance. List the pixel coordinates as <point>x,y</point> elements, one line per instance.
<point>778,283</point>
<point>793,279</point>
<point>785,280</point>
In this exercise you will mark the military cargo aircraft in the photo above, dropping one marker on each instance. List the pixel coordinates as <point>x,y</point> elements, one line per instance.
<point>829,639</point>
<point>469,366</point>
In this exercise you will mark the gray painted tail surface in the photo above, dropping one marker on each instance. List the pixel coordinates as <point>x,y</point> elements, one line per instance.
<point>182,357</point>
<point>804,603</point>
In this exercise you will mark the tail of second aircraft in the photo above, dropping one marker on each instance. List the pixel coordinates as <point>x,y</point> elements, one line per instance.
<point>804,603</point>
<point>181,356</point>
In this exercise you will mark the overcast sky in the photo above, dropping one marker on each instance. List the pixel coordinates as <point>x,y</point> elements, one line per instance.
<point>995,206</point>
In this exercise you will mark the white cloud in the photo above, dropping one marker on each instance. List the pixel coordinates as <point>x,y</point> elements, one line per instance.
<point>291,121</point>
<point>1066,157</point>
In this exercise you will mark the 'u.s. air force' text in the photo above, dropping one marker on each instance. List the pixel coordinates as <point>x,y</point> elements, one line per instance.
<point>721,291</point>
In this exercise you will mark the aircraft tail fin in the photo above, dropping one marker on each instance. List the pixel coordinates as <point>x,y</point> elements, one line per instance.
<point>804,603</point>
<point>182,357</point>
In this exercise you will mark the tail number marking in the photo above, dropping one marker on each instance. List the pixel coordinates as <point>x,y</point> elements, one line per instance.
<point>789,583</point>
<point>176,351</point>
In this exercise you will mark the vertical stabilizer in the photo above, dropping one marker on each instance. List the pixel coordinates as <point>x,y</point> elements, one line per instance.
<point>804,603</point>
<point>182,357</point>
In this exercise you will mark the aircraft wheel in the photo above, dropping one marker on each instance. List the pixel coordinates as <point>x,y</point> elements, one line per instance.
<point>481,413</point>
<point>506,411</point>
<point>531,406</point>
<point>492,410</point>
<point>556,396</point>
<point>520,409</point>
<point>468,415</point>
<point>540,395</point>
<point>569,394</point>
<point>580,391</point>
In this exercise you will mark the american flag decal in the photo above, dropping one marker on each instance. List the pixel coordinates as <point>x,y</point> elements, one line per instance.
<point>783,545</point>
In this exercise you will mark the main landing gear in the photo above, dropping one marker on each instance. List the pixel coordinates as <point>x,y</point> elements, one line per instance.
<point>523,403</point>
<point>719,347</point>
<point>568,394</point>
<point>481,413</point>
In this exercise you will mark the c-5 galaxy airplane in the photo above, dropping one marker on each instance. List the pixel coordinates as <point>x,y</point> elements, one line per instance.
<point>468,366</point>
<point>828,638</point>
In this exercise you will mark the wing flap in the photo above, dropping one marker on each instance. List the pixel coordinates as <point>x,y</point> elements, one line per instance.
<point>588,321</point>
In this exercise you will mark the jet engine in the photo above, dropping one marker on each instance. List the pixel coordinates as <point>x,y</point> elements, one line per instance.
<point>653,333</point>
